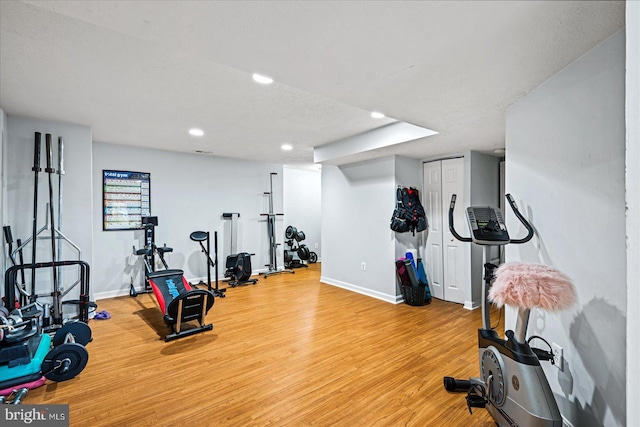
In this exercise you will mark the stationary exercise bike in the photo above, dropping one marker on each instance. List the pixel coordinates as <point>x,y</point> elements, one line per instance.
<point>512,386</point>
<point>148,253</point>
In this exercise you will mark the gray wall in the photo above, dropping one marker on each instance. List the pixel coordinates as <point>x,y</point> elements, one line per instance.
<point>633,209</point>
<point>77,195</point>
<point>484,190</point>
<point>408,173</point>
<point>302,204</point>
<point>565,166</point>
<point>188,192</point>
<point>357,202</point>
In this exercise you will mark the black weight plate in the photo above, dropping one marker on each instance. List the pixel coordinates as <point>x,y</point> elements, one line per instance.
<point>313,257</point>
<point>303,252</point>
<point>290,232</point>
<point>75,353</point>
<point>81,333</point>
<point>300,236</point>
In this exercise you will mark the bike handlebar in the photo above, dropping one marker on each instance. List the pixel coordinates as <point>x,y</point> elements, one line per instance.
<point>451,227</point>
<point>515,210</point>
<point>524,222</point>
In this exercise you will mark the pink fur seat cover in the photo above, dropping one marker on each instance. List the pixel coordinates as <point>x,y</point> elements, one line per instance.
<point>532,285</point>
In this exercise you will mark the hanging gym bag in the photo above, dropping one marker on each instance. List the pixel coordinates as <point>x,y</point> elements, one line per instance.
<point>409,215</point>
<point>399,222</point>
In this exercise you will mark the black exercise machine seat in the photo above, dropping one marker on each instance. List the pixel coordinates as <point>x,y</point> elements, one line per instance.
<point>180,303</point>
<point>164,250</point>
<point>199,236</point>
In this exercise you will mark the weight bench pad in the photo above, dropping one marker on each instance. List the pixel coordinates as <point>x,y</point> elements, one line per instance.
<point>167,285</point>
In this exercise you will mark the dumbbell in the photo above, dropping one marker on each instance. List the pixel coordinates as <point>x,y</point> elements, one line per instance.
<point>16,396</point>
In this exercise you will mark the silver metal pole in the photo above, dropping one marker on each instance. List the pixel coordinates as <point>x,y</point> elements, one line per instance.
<point>521,325</point>
<point>271,192</point>
<point>60,195</point>
<point>234,232</point>
<point>486,313</point>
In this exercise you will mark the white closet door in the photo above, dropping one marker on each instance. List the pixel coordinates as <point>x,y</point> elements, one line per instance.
<point>432,202</point>
<point>454,256</point>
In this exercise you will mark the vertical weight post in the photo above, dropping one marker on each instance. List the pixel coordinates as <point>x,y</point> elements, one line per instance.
<point>36,170</point>
<point>60,193</point>
<point>57,315</point>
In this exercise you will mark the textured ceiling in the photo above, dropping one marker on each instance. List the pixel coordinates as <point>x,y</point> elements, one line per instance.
<point>143,73</point>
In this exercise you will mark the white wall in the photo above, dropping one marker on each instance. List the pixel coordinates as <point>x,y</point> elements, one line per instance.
<point>355,148</point>
<point>357,203</point>
<point>565,166</point>
<point>633,209</point>
<point>302,204</point>
<point>189,192</point>
<point>77,194</point>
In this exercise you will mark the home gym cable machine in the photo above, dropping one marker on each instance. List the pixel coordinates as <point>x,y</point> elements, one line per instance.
<point>271,232</point>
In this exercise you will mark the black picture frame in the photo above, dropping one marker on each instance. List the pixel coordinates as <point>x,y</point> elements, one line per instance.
<point>126,198</point>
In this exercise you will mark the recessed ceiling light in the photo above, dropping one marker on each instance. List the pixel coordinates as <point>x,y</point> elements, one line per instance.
<point>377,115</point>
<point>196,132</point>
<point>262,79</point>
<point>286,147</point>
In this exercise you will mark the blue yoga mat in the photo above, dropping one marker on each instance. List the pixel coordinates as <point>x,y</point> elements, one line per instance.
<point>422,277</point>
<point>409,256</point>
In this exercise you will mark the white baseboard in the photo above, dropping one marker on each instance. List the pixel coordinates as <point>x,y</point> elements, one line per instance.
<point>471,305</point>
<point>111,294</point>
<point>394,299</point>
<point>125,291</point>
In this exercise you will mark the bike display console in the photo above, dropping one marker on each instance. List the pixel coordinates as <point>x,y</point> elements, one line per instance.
<point>487,226</point>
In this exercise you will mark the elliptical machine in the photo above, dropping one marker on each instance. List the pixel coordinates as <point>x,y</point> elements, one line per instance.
<point>512,386</point>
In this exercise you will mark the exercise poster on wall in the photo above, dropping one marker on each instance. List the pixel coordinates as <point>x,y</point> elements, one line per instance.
<point>126,198</point>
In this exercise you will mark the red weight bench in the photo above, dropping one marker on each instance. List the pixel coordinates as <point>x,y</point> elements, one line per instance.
<point>180,303</point>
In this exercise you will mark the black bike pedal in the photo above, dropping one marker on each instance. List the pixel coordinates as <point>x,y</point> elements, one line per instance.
<point>475,401</point>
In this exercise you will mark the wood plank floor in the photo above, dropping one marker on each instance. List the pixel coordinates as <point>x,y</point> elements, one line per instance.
<point>288,351</point>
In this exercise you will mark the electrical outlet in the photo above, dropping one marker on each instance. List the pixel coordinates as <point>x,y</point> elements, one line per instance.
<point>363,266</point>
<point>558,359</point>
<point>316,245</point>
